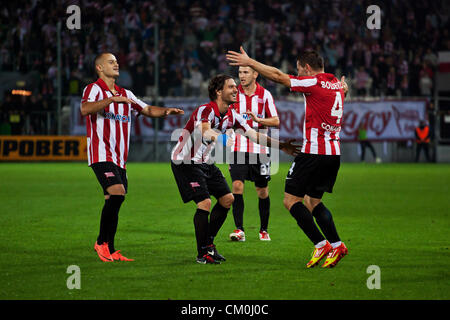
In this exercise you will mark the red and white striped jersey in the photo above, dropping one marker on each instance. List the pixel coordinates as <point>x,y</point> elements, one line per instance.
<point>262,105</point>
<point>191,145</point>
<point>108,131</point>
<point>324,106</point>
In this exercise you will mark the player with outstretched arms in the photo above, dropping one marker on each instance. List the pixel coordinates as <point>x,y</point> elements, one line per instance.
<point>193,167</point>
<point>108,108</point>
<point>315,169</point>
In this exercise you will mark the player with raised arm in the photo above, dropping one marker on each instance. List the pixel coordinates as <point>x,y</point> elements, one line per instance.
<point>315,169</point>
<point>193,167</point>
<point>249,160</point>
<point>108,108</point>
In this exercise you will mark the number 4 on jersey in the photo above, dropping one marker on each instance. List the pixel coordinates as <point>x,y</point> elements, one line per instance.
<point>337,109</point>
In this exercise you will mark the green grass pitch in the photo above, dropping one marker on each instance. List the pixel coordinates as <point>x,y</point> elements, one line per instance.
<point>395,216</point>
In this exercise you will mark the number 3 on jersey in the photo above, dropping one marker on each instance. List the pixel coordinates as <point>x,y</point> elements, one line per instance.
<point>337,109</point>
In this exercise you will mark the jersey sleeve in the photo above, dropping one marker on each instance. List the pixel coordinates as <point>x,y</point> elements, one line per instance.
<point>206,115</point>
<point>269,105</point>
<point>138,105</point>
<point>91,93</point>
<point>302,84</point>
<point>203,114</point>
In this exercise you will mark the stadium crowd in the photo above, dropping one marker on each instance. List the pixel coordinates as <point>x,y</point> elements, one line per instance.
<point>397,60</point>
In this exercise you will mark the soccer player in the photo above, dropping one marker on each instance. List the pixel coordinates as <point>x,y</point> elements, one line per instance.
<point>107,108</point>
<point>193,167</point>
<point>256,104</point>
<point>315,169</point>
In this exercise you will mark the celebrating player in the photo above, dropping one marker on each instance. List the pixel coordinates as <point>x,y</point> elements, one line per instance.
<point>315,169</point>
<point>108,109</point>
<point>195,173</point>
<point>256,103</point>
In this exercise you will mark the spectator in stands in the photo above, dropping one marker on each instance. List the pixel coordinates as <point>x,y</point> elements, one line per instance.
<point>195,81</point>
<point>425,83</point>
<point>431,58</point>
<point>361,80</point>
<point>140,80</point>
<point>391,82</point>
<point>177,82</point>
<point>199,32</point>
<point>332,55</point>
<point>377,81</point>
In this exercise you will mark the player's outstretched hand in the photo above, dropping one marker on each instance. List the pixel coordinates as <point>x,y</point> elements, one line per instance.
<point>290,148</point>
<point>344,85</point>
<point>238,59</point>
<point>175,111</point>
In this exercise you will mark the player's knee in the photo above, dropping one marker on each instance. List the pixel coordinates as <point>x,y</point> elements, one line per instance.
<point>288,203</point>
<point>204,204</point>
<point>289,200</point>
<point>262,192</point>
<point>311,203</point>
<point>308,204</point>
<point>116,189</point>
<point>238,187</point>
<point>227,200</point>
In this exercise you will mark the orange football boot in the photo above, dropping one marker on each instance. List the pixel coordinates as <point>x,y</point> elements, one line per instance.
<point>103,252</point>
<point>119,257</point>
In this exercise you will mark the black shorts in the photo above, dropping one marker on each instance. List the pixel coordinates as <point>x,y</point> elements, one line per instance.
<point>109,174</point>
<point>312,174</point>
<point>199,181</point>
<point>258,172</point>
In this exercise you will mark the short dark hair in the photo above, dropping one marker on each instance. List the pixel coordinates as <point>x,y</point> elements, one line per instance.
<point>312,58</point>
<point>96,59</point>
<point>216,84</point>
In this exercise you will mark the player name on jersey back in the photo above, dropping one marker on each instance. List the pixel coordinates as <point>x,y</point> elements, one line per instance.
<point>324,107</point>
<point>331,86</point>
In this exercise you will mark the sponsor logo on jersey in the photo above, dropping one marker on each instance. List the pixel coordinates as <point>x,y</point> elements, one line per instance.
<point>330,128</point>
<point>248,117</point>
<point>117,117</point>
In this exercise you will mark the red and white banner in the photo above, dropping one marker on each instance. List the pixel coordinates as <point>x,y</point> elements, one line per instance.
<point>385,120</point>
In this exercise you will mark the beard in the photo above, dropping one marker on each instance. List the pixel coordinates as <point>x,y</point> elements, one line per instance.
<point>230,100</point>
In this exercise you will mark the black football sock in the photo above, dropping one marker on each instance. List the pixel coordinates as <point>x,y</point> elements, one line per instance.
<point>104,223</point>
<point>238,211</point>
<point>325,221</point>
<point>218,216</point>
<point>116,201</point>
<point>305,221</point>
<point>107,220</point>
<point>264,211</point>
<point>201,230</point>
